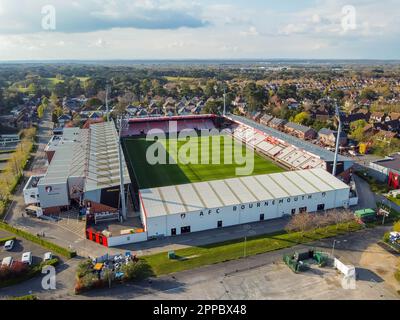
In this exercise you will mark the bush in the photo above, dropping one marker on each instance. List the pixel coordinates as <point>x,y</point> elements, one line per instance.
<point>44,243</point>
<point>4,240</point>
<point>27,297</point>
<point>135,270</point>
<point>386,237</point>
<point>397,275</point>
<point>84,268</point>
<point>15,271</point>
<point>20,272</point>
<point>396,226</point>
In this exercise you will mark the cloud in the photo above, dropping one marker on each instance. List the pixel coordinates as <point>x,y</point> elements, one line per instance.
<point>252,31</point>
<point>95,15</point>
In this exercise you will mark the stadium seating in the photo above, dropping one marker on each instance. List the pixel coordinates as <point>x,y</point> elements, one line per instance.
<point>283,152</point>
<point>139,128</point>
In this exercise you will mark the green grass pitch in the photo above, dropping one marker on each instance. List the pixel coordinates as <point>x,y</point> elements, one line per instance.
<point>160,175</point>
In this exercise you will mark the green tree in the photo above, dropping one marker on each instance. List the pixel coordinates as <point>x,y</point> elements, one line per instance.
<point>301,117</point>
<point>40,111</point>
<point>287,91</point>
<point>256,96</point>
<point>369,94</point>
<point>212,107</point>
<point>357,130</point>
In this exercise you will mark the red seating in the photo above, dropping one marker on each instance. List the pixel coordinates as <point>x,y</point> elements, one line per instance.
<point>140,128</point>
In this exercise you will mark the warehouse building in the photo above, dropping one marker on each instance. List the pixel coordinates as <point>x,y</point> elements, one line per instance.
<point>387,170</point>
<point>174,210</point>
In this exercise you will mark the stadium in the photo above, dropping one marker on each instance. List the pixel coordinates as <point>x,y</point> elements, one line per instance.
<point>178,197</point>
<point>238,173</point>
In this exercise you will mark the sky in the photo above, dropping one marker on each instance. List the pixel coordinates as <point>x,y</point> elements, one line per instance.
<point>201,29</point>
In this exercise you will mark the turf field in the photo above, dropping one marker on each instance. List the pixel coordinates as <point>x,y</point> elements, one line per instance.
<point>198,153</point>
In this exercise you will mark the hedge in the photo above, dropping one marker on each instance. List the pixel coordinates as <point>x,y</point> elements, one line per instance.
<point>44,243</point>
<point>27,297</point>
<point>4,240</point>
<point>32,272</point>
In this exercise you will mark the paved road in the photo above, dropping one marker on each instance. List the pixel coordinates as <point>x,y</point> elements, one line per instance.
<point>38,166</point>
<point>366,198</point>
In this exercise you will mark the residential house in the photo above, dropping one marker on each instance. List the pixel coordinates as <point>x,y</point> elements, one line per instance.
<point>393,116</point>
<point>377,117</point>
<point>292,104</point>
<point>300,131</point>
<point>265,119</point>
<point>256,116</point>
<point>277,123</point>
<point>328,137</point>
<point>385,136</point>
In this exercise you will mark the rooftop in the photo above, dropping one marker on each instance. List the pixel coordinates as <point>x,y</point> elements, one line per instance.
<point>392,162</point>
<point>216,194</point>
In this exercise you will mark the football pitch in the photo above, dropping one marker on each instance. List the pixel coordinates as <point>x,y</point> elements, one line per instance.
<point>179,171</point>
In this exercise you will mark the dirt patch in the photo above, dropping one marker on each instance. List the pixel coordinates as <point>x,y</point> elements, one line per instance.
<point>382,262</point>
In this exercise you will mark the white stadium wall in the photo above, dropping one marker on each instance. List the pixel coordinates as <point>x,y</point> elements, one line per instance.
<point>246,213</point>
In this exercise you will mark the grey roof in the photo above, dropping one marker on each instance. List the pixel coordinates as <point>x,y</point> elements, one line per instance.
<point>277,121</point>
<point>217,194</point>
<point>324,154</point>
<point>298,127</point>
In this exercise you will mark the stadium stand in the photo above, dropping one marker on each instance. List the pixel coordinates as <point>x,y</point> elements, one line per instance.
<point>140,127</point>
<point>280,151</point>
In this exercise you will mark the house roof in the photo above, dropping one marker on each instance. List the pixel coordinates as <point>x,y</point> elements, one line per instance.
<point>298,127</point>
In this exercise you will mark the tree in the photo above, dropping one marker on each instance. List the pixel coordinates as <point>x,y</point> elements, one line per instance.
<point>209,91</point>
<point>357,130</point>
<point>301,117</point>
<point>301,222</point>
<point>256,96</point>
<point>287,91</point>
<point>369,94</point>
<point>337,94</point>
<point>212,107</point>
<point>40,111</point>
<point>54,98</point>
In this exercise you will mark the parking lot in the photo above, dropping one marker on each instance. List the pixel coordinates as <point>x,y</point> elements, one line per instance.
<point>21,245</point>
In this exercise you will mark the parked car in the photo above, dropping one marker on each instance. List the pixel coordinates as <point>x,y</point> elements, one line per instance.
<point>27,258</point>
<point>7,262</point>
<point>47,256</point>
<point>9,245</point>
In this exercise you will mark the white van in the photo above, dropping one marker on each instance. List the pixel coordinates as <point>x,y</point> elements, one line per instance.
<point>7,262</point>
<point>34,211</point>
<point>47,256</point>
<point>9,245</point>
<point>27,258</point>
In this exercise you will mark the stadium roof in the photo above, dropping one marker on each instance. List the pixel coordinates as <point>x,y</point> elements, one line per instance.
<point>92,154</point>
<point>217,194</point>
<point>301,144</point>
<point>103,163</point>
